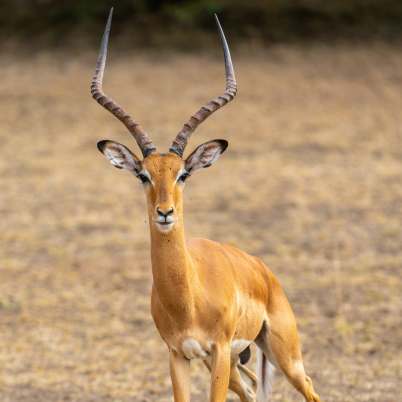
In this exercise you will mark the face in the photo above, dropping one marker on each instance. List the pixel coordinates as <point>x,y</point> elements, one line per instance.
<point>163,177</point>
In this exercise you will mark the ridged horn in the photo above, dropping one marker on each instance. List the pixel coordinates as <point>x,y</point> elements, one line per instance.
<point>142,138</point>
<point>212,106</point>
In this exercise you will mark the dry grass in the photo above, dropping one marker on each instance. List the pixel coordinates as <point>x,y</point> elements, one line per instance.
<point>312,182</point>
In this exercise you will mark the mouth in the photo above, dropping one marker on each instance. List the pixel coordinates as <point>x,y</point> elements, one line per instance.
<point>164,226</point>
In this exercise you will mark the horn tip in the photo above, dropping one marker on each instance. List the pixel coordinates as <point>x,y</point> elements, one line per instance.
<point>109,18</point>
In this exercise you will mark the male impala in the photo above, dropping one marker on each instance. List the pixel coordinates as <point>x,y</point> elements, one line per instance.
<point>209,300</point>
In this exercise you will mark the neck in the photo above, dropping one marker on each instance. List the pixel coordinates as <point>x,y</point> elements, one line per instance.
<point>171,268</point>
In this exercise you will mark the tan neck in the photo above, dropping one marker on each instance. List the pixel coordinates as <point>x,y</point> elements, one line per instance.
<point>172,269</point>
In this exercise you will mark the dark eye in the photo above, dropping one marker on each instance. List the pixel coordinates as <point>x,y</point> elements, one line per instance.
<point>183,177</point>
<point>144,179</point>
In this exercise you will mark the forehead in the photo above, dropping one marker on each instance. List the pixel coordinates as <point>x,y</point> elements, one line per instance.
<point>163,164</point>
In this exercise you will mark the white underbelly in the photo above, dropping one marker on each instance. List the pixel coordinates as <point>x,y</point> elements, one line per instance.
<point>192,349</point>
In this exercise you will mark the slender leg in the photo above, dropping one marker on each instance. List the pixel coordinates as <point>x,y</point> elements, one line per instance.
<point>294,371</point>
<point>180,375</point>
<point>237,384</point>
<point>220,373</point>
<point>280,344</point>
<point>252,377</point>
<point>289,359</point>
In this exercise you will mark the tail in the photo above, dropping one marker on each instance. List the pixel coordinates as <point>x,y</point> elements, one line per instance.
<point>265,373</point>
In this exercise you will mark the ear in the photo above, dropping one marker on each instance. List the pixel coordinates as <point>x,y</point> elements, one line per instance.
<point>205,155</point>
<point>120,156</point>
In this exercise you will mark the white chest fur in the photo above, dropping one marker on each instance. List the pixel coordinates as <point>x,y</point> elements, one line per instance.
<point>192,349</point>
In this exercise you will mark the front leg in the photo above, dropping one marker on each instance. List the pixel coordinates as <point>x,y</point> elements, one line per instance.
<point>220,372</point>
<point>180,375</point>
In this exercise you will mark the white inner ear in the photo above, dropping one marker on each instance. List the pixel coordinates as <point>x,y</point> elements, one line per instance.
<point>114,158</point>
<point>210,154</point>
<point>120,158</point>
<point>205,156</point>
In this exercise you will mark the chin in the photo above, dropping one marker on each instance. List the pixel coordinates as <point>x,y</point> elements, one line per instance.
<point>164,228</point>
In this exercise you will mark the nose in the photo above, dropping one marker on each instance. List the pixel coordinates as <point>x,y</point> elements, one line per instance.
<point>164,214</point>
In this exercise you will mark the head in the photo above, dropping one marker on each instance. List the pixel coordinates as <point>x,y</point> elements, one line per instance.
<point>163,175</point>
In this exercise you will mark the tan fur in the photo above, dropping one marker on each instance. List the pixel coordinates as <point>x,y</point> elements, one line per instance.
<point>213,294</point>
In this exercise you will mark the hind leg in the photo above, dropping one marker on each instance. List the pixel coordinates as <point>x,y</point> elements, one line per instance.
<point>279,341</point>
<point>294,371</point>
<point>237,384</point>
<point>298,378</point>
<point>283,349</point>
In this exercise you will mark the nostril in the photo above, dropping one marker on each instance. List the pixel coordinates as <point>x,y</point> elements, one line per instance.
<point>164,214</point>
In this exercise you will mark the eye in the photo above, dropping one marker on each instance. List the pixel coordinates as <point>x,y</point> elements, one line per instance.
<point>144,179</point>
<point>182,178</point>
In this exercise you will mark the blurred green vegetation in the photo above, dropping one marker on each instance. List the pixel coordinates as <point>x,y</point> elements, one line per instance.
<point>276,20</point>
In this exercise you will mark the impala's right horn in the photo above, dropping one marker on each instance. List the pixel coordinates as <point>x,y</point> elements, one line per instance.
<point>142,138</point>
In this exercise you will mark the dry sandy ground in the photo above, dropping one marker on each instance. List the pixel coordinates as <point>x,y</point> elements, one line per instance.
<point>312,182</point>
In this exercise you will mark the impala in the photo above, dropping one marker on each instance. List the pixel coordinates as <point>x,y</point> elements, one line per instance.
<point>209,300</point>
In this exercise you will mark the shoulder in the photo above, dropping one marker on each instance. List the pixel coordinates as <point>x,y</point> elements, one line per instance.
<point>201,243</point>
<point>205,246</point>
<point>198,244</point>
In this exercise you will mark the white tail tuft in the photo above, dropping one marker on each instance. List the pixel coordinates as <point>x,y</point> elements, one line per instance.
<point>265,375</point>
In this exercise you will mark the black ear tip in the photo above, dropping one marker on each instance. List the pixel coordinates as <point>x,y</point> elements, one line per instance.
<point>101,145</point>
<point>224,144</point>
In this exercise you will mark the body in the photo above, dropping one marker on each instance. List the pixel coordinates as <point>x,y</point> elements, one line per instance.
<point>225,286</point>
